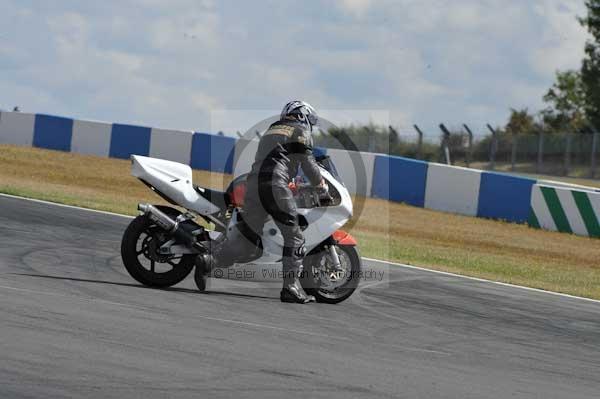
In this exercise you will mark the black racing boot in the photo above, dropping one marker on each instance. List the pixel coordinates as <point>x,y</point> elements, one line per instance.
<point>292,292</point>
<point>204,264</point>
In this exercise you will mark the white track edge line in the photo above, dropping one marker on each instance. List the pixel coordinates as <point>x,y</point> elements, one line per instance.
<point>367,259</point>
<point>482,280</point>
<point>65,205</point>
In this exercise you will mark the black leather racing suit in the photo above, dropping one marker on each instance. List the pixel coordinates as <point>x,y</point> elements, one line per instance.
<point>284,147</point>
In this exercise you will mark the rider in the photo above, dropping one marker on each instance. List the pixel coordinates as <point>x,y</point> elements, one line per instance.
<point>284,147</point>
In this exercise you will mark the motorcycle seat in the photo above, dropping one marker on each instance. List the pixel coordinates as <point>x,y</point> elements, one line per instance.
<point>218,198</point>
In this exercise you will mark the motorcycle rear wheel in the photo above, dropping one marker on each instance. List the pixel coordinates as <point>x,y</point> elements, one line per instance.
<point>142,261</point>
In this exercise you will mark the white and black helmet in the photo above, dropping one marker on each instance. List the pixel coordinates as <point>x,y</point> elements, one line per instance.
<point>302,111</point>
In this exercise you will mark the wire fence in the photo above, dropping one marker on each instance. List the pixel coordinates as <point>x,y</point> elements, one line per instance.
<point>557,154</point>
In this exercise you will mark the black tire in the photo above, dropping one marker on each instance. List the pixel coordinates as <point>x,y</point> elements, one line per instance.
<point>201,276</point>
<point>311,284</point>
<point>179,268</point>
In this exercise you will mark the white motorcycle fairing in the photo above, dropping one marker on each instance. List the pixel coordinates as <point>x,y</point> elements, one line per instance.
<point>174,181</point>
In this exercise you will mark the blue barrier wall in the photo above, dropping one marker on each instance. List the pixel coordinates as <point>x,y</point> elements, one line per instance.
<point>127,140</point>
<point>214,153</point>
<point>381,178</point>
<point>399,179</point>
<point>492,195</point>
<point>52,132</point>
<point>505,197</point>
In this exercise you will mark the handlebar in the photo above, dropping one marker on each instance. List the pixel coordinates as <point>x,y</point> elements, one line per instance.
<point>309,196</point>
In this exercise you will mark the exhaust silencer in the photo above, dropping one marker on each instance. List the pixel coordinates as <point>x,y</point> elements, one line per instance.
<point>165,222</point>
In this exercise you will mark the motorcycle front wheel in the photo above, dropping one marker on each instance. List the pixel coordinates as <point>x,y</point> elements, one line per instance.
<point>320,279</point>
<point>139,252</point>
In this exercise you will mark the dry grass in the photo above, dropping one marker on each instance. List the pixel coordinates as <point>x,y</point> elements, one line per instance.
<point>482,248</point>
<point>88,181</point>
<point>583,181</point>
<point>477,247</point>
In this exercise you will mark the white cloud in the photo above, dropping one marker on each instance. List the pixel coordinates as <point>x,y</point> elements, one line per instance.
<point>171,63</point>
<point>358,8</point>
<point>561,40</point>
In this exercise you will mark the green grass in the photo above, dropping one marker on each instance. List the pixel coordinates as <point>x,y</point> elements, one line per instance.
<point>482,248</point>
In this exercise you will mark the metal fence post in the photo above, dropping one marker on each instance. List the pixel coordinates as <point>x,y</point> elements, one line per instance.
<point>446,143</point>
<point>540,154</point>
<point>594,149</point>
<point>419,142</point>
<point>568,140</point>
<point>493,147</point>
<point>513,151</point>
<point>470,149</point>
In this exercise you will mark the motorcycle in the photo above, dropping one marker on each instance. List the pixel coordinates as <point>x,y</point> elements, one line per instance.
<point>159,247</point>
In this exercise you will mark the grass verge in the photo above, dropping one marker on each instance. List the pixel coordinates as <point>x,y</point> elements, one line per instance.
<point>488,249</point>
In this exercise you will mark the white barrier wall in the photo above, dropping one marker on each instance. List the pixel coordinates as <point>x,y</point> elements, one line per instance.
<point>17,128</point>
<point>245,151</point>
<point>91,138</point>
<point>355,169</point>
<point>172,145</point>
<point>452,189</point>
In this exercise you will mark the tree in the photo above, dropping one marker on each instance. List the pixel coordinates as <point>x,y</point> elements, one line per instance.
<point>590,70</point>
<point>369,137</point>
<point>521,122</point>
<point>567,102</point>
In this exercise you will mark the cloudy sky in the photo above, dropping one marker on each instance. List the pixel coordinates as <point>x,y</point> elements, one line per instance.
<point>186,63</point>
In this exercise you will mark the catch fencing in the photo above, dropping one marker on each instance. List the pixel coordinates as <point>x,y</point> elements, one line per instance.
<point>555,154</point>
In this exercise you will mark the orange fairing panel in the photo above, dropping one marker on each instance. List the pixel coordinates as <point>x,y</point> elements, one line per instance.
<point>343,238</point>
<point>238,195</point>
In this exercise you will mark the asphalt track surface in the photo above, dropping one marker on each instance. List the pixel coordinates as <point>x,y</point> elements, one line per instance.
<point>74,324</point>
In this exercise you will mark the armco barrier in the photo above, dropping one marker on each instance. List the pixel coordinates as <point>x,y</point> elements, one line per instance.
<point>550,205</point>
<point>560,184</point>
<point>504,197</point>
<point>245,150</point>
<point>173,145</point>
<point>17,128</point>
<point>211,152</point>
<point>91,138</point>
<point>127,140</point>
<point>452,189</point>
<point>565,210</point>
<point>52,132</point>
<point>399,179</point>
<point>355,169</point>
